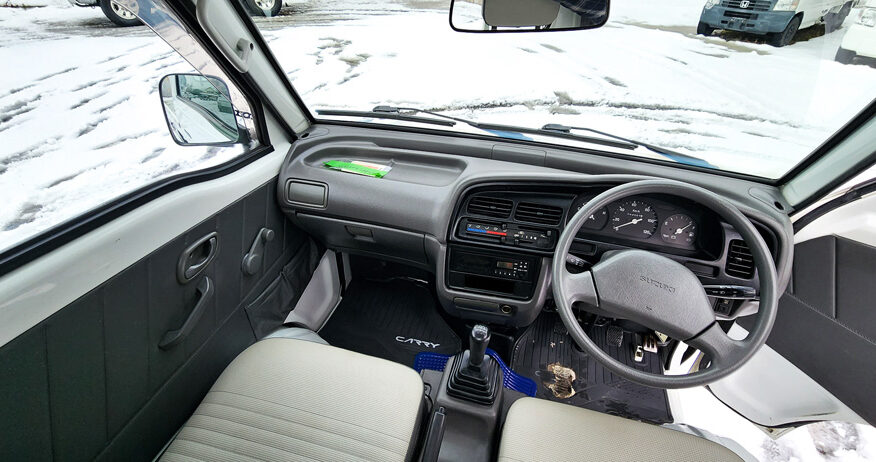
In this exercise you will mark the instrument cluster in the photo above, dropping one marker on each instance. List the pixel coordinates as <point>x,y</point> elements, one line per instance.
<point>642,219</point>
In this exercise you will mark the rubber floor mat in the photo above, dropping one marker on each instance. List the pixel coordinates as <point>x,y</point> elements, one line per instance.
<point>393,320</point>
<point>546,354</point>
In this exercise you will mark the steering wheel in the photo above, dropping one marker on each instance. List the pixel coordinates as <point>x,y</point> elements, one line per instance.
<point>661,294</point>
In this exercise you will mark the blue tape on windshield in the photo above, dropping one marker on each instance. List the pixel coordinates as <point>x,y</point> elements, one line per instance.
<point>511,379</point>
<point>510,135</point>
<point>688,160</point>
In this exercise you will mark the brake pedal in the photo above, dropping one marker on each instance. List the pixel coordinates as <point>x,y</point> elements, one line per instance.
<point>614,335</point>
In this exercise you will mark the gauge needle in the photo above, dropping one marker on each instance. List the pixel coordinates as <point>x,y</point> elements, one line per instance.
<point>632,222</point>
<point>681,230</point>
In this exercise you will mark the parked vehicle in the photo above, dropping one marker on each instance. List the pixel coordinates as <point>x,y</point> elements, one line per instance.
<point>119,15</point>
<point>860,39</point>
<point>777,20</point>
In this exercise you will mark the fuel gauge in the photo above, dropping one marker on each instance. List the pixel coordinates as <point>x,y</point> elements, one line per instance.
<point>679,229</point>
<point>595,221</point>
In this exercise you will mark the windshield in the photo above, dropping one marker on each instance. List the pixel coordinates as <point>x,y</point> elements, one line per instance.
<point>729,100</point>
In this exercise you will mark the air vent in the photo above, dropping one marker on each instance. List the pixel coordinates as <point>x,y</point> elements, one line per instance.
<point>740,263</point>
<point>490,206</point>
<point>538,213</point>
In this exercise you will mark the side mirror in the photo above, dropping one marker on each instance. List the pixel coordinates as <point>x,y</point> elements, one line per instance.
<point>527,15</point>
<point>198,110</point>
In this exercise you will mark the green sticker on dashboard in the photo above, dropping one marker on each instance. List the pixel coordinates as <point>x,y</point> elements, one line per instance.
<point>357,168</point>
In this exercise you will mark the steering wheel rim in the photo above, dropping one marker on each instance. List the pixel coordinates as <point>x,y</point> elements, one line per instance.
<point>642,294</point>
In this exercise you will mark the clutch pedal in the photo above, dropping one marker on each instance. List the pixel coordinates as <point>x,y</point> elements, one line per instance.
<point>614,335</point>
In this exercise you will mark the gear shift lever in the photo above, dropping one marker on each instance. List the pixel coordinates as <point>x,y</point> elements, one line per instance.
<point>475,376</point>
<point>477,345</point>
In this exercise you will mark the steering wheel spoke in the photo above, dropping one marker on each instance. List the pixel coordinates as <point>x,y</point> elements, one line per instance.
<point>579,287</point>
<point>720,347</point>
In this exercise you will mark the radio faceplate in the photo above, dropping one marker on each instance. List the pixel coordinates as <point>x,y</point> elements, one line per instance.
<point>491,272</point>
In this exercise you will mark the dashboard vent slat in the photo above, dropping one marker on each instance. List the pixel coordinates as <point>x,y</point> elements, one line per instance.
<point>538,213</point>
<point>490,206</point>
<point>740,263</point>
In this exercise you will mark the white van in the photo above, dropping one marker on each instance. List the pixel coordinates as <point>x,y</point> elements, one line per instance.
<point>860,39</point>
<point>778,20</point>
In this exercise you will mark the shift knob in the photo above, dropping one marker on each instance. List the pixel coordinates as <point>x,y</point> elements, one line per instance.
<point>477,344</point>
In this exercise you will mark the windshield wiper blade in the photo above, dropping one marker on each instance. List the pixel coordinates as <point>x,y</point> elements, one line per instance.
<point>394,115</point>
<point>399,110</point>
<point>552,130</point>
<point>673,155</point>
<point>490,127</point>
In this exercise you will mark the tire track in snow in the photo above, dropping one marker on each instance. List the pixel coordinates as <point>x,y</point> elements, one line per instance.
<point>55,74</point>
<point>125,139</point>
<point>27,214</point>
<point>90,84</point>
<point>17,108</point>
<point>32,152</point>
<point>85,101</point>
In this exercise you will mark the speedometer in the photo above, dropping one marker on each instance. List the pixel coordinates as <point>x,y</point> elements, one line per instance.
<point>635,218</point>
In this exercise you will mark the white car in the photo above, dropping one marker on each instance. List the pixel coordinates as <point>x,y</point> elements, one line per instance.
<point>860,40</point>
<point>777,20</point>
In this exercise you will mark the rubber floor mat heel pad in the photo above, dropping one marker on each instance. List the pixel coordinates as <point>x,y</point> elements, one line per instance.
<point>394,320</point>
<point>546,354</point>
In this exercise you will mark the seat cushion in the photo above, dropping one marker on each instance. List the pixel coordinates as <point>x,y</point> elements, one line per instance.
<point>537,429</point>
<point>298,333</point>
<point>284,399</point>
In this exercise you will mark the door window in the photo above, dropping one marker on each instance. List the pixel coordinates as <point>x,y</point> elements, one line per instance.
<point>81,117</point>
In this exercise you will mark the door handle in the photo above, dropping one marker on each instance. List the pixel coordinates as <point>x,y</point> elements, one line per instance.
<point>172,338</point>
<point>196,257</point>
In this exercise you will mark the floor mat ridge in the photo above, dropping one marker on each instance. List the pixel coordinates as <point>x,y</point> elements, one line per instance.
<point>546,354</point>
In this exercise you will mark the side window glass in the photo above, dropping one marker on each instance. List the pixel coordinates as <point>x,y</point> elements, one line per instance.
<point>91,111</point>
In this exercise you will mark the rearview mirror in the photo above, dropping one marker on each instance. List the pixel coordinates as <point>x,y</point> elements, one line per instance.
<point>198,110</point>
<point>527,15</point>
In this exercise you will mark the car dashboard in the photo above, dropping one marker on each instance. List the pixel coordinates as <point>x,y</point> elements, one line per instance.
<point>487,228</point>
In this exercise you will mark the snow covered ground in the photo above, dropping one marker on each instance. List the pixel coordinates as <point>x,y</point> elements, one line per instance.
<point>81,121</point>
<point>646,75</point>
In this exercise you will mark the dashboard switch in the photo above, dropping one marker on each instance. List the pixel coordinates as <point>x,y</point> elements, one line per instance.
<point>731,292</point>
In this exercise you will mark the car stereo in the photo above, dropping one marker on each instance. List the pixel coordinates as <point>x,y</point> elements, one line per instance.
<point>491,272</point>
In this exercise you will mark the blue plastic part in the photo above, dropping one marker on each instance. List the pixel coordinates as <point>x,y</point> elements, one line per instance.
<point>511,379</point>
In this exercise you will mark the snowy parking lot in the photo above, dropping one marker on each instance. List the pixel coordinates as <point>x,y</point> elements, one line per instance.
<point>81,121</point>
